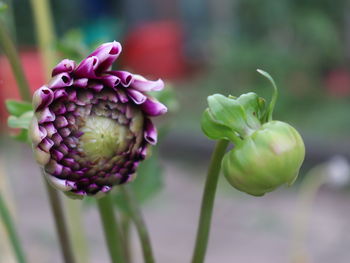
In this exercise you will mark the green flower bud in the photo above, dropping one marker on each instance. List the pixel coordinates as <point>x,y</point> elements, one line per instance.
<point>267,153</point>
<point>267,159</point>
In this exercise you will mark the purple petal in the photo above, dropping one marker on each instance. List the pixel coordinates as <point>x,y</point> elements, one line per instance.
<point>123,98</point>
<point>110,80</point>
<point>50,129</point>
<point>57,139</point>
<point>59,184</point>
<point>42,98</point>
<point>53,167</point>
<point>46,145</point>
<point>96,87</point>
<point>45,115</point>
<point>65,65</point>
<point>124,76</point>
<point>58,108</point>
<point>87,67</point>
<point>80,83</point>
<point>150,132</point>
<point>61,80</point>
<point>61,122</point>
<point>57,155</point>
<point>36,133</point>
<point>136,96</point>
<point>141,84</point>
<point>152,107</point>
<point>60,93</point>
<point>107,53</point>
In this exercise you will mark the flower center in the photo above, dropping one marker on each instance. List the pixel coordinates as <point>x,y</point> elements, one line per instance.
<point>103,138</point>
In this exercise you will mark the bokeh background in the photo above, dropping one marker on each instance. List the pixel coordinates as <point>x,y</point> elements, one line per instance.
<point>201,47</point>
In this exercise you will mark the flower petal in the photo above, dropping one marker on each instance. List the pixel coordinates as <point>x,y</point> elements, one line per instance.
<point>61,80</point>
<point>141,84</point>
<point>66,65</point>
<point>150,133</point>
<point>107,53</point>
<point>42,98</point>
<point>136,96</point>
<point>153,107</point>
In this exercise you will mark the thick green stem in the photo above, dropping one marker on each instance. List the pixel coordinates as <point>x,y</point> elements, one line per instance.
<point>61,226</point>
<point>11,54</point>
<point>208,202</point>
<point>142,231</point>
<point>113,235</point>
<point>126,229</point>
<point>11,231</point>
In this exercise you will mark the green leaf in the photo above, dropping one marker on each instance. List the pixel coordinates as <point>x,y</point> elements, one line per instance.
<point>215,130</point>
<point>22,136</point>
<point>252,106</point>
<point>22,122</point>
<point>229,113</point>
<point>17,108</point>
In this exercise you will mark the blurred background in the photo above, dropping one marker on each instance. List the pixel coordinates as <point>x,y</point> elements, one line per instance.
<point>201,47</point>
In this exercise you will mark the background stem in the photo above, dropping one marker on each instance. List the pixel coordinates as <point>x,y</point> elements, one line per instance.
<point>126,230</point>
<point>61,227</point>
<point>136,216</point>
<point>11,54</point>
<point>8,222</point>
<point>208,202</point>
<point>113,235</point>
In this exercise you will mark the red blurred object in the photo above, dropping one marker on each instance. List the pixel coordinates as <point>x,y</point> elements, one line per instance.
<point>155,49</point>
<point>33,69</point>
<point>338,82</point>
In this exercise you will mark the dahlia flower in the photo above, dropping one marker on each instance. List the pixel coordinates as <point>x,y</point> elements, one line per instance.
<point>91,126</point>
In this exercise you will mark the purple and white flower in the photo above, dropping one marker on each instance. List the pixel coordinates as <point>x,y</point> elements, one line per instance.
<point>91,125</point>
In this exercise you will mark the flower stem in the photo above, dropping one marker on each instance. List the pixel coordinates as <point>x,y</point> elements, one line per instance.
<point>208,202</point>
<point>11,54</point>
<point>45,33</point>
<point>142,231</point>
<point>126,229</point>
<point>61,226</point>
<point>313,181</point>
<point>8,222</point>
<point>111,229</point>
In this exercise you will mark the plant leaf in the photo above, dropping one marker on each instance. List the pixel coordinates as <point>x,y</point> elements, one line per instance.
<point>17,108</point>
<point>22,122</point>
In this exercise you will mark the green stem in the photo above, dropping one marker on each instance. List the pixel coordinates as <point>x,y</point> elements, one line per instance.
<point>307,193</point>
<point>8,223</point>
<point>61,226</point>
<point>126,229</point>
<point>208,202</point>
<point>45,33</point>
<point>112,232</point>
<point>142,231</point>
<point>76,229</point>
<point>11,54</point>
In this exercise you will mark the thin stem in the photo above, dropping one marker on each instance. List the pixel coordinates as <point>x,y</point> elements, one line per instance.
<point>208,202</point>
<point>61,226</point>
<point>11,231</point>
<point>126,229</point>
<point>111,229</point>
<point>11,54</point>
<point>45,33</point>
<point>307,193</point>
<point>142,231</point>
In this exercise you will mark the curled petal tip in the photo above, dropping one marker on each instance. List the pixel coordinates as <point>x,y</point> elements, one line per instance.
<point>142,84</point>
<point>66,65</point>
<point>61,80</point>
<point>59,184</point>
<point>153,107</point>
<point>42,98</point>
